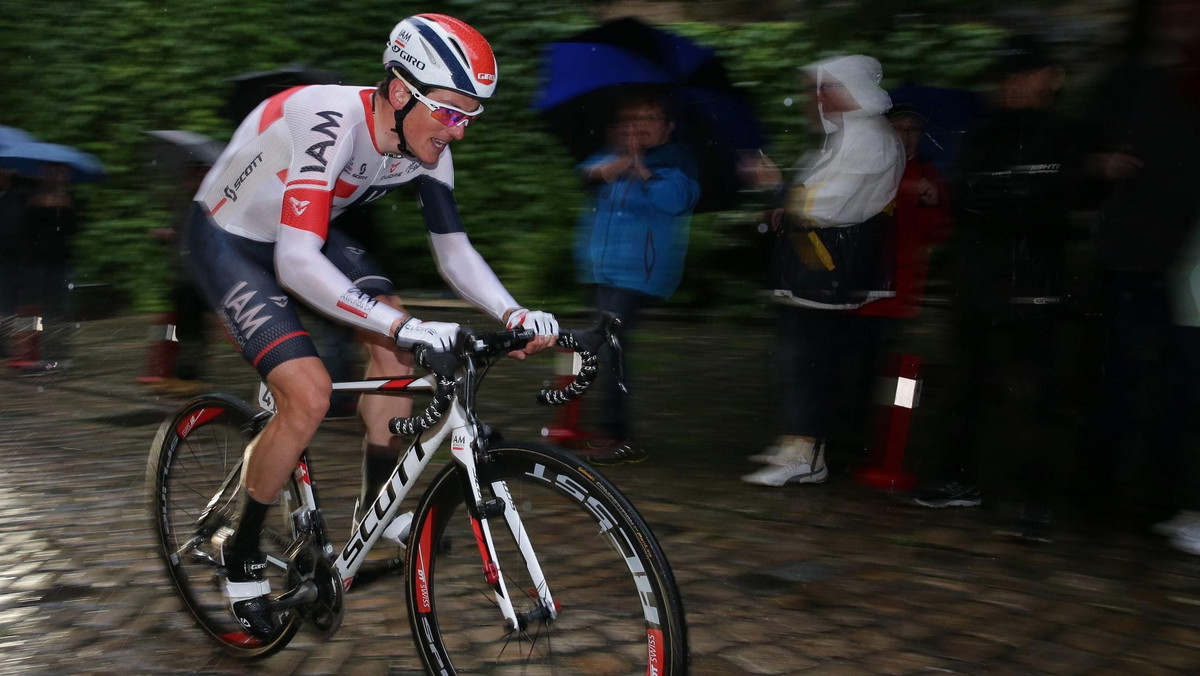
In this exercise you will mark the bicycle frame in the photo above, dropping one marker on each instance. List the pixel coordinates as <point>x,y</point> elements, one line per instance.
<point>461,425</point>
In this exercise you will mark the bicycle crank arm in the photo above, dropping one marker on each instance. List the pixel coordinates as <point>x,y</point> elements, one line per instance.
<point>305,593</point>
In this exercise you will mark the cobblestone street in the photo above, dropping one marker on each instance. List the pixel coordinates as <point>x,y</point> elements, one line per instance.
<point>835,578</point>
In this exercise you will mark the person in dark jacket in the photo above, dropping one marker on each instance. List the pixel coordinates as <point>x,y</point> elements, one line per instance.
<point>1147,113</point>
<point>632,240</point>
<point>51,221</point>
<point>13,198</point>
<point>1012,194</point>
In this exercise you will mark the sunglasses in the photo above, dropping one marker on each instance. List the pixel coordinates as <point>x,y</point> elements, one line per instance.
<point>442,112</point>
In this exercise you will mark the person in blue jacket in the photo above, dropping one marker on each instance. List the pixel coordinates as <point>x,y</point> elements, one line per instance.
<point>632,239</point>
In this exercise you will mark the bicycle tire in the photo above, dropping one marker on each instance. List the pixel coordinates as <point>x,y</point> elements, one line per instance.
<point>609,582</point>
<point>195,463</point>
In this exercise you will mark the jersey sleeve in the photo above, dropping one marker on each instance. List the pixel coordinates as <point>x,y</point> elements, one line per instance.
<point>303,270</point>
<point>438,206</point>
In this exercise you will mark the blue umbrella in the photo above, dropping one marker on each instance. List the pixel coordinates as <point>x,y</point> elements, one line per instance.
<point>32,157</point>
<point>11,135</point>
<point>581,72</point>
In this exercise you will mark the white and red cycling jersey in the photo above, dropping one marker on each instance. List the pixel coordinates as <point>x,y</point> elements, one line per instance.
<point>304,156</point>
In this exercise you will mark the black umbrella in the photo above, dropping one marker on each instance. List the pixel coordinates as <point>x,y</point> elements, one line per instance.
<point>174,151</point>
<point>581,72</point>
<point>250,89</point>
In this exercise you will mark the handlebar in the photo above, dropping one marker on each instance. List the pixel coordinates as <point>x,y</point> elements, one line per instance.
<point>586,343</point>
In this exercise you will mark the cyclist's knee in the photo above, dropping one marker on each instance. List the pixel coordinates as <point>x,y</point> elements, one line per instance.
<point>302,388</point>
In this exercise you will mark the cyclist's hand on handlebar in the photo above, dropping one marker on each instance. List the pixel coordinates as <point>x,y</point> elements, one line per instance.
<point>543,324</point>
<point>438,336</point>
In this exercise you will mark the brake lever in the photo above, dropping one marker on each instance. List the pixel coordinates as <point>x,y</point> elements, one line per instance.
<point>442,364</point>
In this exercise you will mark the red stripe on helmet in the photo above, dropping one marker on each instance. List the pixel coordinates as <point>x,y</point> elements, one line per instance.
<point>482,61</point>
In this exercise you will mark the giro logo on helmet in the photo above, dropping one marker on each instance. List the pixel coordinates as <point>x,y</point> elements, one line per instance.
<point>485,77</point>
<point>417,63</point>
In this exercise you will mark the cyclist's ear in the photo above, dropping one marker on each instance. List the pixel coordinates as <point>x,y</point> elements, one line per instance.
<point>398,94</point>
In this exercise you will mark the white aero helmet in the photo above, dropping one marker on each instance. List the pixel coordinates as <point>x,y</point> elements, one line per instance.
<point>439,51</point>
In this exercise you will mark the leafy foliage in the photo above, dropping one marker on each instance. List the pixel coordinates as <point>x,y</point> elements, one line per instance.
<point>97,75</point>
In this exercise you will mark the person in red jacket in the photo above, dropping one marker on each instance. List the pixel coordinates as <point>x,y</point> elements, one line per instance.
<point>923,219</point>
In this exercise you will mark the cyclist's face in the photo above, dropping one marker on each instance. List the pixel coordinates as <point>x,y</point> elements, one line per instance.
<point>428,137</point>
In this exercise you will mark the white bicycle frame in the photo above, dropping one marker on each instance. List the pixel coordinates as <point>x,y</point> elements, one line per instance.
<point>459,426</point>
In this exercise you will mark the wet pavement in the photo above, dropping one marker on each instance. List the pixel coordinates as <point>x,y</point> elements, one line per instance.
<point>836,578</point>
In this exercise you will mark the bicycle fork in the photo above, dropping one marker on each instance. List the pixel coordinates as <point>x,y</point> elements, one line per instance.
<point>480,511</point>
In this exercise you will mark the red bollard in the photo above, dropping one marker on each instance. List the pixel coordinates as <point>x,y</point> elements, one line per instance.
<point>891,429</point>
<point>164,348</point>
<point>26,337</point>
<point>565,430</point>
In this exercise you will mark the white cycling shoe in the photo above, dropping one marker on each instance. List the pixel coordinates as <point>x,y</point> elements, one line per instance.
<point>246,587</point>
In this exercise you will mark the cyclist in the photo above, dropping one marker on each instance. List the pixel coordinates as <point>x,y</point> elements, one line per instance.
<point>260,234</point>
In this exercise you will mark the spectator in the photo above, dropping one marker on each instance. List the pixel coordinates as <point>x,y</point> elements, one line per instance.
<point>829,256</point>
<point>13,199</point>
<point>1148,113</point>
<point>1012,196</point>
<point>632,241</point>
<point>922,218</point>
<point>51,221</point>
<point>1182,397</point>
<point>189,305</point>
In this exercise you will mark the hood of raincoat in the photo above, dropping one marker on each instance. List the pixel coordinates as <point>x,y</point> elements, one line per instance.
<point>860,75</point>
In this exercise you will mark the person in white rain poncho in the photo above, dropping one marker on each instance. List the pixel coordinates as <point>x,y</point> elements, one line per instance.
<point>833,252</point>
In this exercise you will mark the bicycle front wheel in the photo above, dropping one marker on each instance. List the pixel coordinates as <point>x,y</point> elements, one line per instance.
<point>618,608</point>
<point>194,479</point>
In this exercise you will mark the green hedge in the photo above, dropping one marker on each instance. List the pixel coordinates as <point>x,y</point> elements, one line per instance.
<point>96,75</point>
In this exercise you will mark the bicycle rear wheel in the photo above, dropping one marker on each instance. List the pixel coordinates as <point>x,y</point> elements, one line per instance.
<point>619,608</point>
<point>194,479</point>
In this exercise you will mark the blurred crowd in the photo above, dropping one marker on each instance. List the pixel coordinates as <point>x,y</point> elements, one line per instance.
<point>862,224</point>
<point>1027,187</point>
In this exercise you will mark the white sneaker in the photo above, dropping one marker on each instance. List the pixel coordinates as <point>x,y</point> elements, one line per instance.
<point>1187,539</point>
<point>771,453</point>
<point>785,451</point>
<point>1172,526</point>
<point>798,471</point>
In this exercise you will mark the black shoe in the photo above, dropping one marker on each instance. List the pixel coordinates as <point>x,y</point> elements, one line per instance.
<point>952,494</point>
<point>248,591</point>
<point>612,452</point>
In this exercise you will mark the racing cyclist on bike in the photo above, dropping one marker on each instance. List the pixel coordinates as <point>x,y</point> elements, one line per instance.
<point>261,234</point>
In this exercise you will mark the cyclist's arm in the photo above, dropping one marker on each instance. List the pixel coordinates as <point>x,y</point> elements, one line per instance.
<point>304,271</point>
<point>458,262</point>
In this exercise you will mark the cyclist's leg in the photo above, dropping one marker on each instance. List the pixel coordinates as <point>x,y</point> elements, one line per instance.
<point>301,388</point>
<point>237,277</point>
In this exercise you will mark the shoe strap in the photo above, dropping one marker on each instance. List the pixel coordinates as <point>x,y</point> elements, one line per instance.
<point>240,591</point>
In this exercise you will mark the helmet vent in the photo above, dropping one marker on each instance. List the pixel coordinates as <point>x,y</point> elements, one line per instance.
<point>430,52</point>
<point>461,54</point>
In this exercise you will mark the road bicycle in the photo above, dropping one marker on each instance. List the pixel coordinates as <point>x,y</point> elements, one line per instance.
<point>519,554</point>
